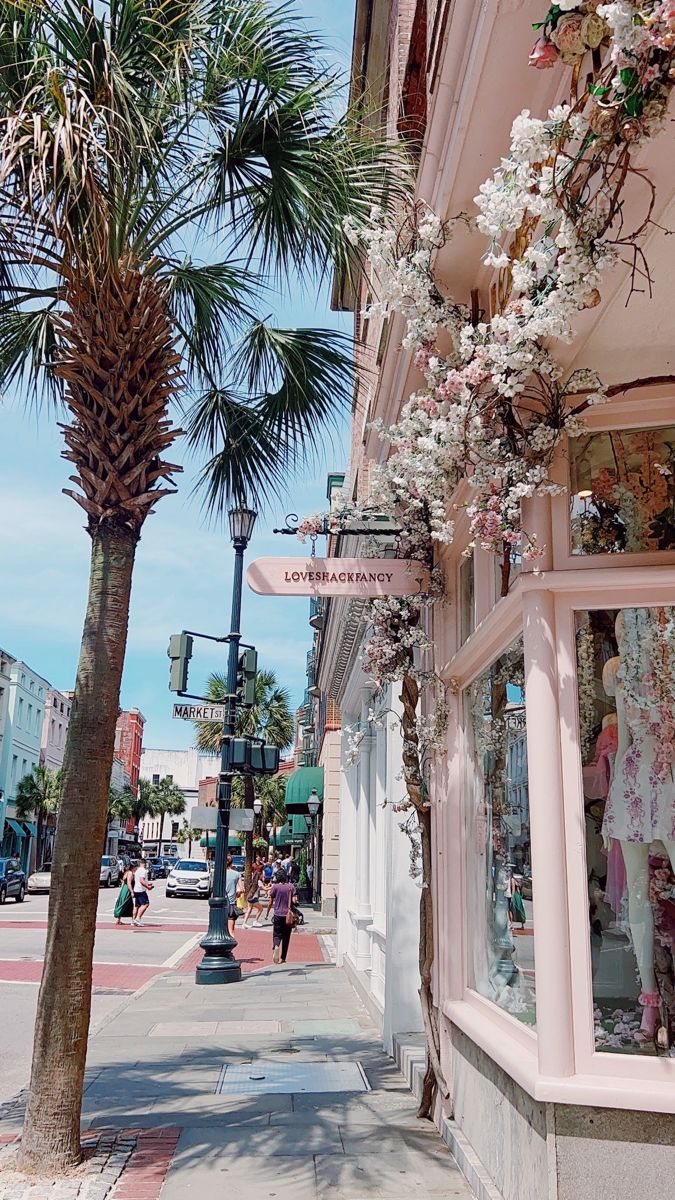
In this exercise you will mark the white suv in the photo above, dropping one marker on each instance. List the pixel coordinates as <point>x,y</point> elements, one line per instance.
<point>189,877</point>
<point>110,871</point>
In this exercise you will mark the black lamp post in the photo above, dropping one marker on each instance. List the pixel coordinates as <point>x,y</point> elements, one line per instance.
<point>218,964</point>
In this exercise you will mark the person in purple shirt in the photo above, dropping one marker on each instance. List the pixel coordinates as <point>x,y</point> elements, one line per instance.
<point>282,898</point>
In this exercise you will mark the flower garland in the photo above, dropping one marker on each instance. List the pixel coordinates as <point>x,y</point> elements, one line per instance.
<point>497,406</point>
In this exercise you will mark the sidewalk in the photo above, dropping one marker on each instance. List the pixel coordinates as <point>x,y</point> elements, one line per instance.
<point>275,1087</point>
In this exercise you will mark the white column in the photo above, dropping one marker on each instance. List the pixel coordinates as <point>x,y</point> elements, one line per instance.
<point>547,832</point>
<point>364,912</point>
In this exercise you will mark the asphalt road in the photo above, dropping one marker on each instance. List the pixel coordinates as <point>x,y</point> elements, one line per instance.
<point>124,960</point>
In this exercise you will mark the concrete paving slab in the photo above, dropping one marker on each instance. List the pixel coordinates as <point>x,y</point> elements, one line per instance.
<point>392,1176</point>
<point>199,1169</point>
<point>183,1029</point>
<point>327,1026</point>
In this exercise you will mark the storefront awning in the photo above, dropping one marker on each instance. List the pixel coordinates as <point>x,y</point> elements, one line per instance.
<point>234,843</point>
<point>16,828</point>
<point>301,783</point>
<point>31,828</point>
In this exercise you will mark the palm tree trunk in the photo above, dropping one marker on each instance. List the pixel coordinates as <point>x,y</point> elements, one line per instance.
<point>51,1133</point>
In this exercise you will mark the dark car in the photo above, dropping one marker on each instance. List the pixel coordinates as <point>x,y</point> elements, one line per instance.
<point>159,867</point>
<point>12,880</point>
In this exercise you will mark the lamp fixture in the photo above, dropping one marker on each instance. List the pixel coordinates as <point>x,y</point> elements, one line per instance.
<point>257,806</point>
<point>242,520</point>
<point>313,803</point>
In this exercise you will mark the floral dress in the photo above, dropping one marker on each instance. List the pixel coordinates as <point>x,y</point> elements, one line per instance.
<point>641,801</point>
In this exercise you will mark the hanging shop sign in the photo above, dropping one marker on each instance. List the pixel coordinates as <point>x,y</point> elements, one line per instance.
<point>337,577</point>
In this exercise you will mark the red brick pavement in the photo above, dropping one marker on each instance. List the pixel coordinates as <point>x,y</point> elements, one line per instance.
<point>254,950</point>
<point>147,1168</point>
<point>106,975</point>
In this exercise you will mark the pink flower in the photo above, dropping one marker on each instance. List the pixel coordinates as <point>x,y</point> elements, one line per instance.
<point>568,36</point>
<point>451,386</point>
<point>422,358</point>
<point>543,54</point>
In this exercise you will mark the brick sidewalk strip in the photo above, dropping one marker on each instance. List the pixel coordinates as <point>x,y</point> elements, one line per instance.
<point>119,1164</point>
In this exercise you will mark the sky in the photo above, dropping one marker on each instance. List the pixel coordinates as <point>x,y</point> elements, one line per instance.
<point>183,568</point>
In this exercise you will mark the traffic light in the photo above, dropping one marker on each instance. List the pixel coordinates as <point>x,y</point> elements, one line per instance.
<point>180,653</point>
<point>247,667</point>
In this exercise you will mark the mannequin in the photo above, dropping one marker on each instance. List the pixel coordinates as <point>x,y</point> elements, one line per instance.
<point>641,801</point>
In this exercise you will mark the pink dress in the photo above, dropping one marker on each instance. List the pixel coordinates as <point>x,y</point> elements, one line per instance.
<point>598,773</point>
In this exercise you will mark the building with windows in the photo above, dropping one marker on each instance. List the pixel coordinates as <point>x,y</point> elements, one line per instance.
<point>54,729</point>
<point>129,743</point>
<point>185,768</point>
<point>22,734</point>
<point>556,773</point>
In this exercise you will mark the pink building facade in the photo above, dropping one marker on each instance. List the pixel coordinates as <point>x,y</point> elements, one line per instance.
<point>553,799</point>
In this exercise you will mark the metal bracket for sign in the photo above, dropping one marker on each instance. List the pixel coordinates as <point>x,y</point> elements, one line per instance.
<point>293,520</point>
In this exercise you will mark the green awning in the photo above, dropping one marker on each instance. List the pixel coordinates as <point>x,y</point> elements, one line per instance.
<point>16,828</point>
<point>234,843</point>
<point>301,783</point>
<point>31,827</point>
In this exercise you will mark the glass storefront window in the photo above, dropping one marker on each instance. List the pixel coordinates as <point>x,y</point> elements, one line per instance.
<point>622,492</point>
<point>499,871</point>
<point>626,704</point>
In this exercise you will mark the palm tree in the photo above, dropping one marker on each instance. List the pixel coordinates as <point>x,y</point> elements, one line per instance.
<point>269,718</point>
<point>168,800</point>
<point>37,795</point>
<point>128,132</point>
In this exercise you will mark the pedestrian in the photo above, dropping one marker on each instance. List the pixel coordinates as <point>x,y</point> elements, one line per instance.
<point>125,906</point>
<point>232,888</point>
<point>141,887</point>
<point>310,881</point>
<point>293,871</point>
<point>253,898</point>
<point>282,898</point>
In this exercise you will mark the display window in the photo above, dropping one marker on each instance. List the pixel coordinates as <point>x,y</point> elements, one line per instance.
<point>498,866</point>
<point>622,491</point>
<point>626,712</point>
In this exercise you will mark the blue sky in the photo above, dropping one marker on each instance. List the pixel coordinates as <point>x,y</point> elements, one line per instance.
<point>184,567</point>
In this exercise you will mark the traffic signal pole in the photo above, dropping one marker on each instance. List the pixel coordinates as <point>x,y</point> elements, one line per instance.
<point>218,964</point>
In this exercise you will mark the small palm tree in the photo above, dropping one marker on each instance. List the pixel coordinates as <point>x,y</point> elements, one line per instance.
<point>167,800</point>
<point>38,795</point>
<point>269,718</point>
<point>129,131</point>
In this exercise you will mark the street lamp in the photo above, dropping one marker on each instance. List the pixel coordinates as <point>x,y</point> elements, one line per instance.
<point>313,804</point>
<point>218,964</point>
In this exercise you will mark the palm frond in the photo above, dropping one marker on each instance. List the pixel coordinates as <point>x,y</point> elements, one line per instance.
<point>28,349</point>
<point>210,303</point>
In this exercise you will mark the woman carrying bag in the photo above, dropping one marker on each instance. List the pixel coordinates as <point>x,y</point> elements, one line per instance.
<point>125,901</point>
<point>282,898</point>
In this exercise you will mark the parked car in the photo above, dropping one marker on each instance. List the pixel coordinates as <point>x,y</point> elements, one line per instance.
<point>189,877</point>
<point>12,880</point>
<point>238,862</point>
<point>110,871</point>
<point>40,880</point>
<point>159,867</point>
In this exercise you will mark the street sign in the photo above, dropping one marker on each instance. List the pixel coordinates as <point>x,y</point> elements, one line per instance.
<point>198,712</point>
<point>205,817</point>
<point>337,577</point>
